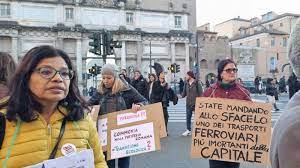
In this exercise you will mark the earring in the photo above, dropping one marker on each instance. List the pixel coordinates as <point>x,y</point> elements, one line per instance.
<point>65,103</point>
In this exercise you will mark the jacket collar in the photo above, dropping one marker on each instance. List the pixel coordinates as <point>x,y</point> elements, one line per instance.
<point>57,115</point>
<point>218,85</point>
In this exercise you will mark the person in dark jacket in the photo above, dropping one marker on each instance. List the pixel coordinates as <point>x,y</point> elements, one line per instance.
<point>256,83</point>
<point>115,95</point>
<point>155,90</point>
<point>294,85</point>
<point>282,84</point>
<point>7,69</point>
<point>271,92</point>
<point>124,76</point>
<point>140,83</point>
<point>192,90</point>
<point>226,87</point>
<point>159,91</point>
<point>181,85</point>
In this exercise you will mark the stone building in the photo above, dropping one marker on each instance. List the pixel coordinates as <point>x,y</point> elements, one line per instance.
<point>265,43</point>
<point>211,49</point>
<point>67,24</point>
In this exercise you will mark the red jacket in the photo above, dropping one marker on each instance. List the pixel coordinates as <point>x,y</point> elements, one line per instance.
<point>237,91</point>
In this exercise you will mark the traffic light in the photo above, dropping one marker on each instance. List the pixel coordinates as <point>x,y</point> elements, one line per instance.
<point>98,69</point>
<point>95,70</point>
<point>109,45</point>
<point>95,43</point>
<point>177,68</point>
<point>92,70</point>
<point>172,68</point>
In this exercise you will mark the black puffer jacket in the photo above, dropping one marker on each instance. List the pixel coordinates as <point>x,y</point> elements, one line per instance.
<point>271,90</point>
<point>157,92</point>
<point>163,94</point>
<point>140,85</point>
<point>120,101</point>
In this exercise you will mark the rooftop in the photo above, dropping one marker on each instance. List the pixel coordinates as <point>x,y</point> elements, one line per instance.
<point>274,32</point>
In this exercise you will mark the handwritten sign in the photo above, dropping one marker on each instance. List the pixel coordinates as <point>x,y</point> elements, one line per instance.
<point>231,130</point>
<point>131,117</point>
<point>102,131</point>
<point>132,140</point>
<point>82,159</point>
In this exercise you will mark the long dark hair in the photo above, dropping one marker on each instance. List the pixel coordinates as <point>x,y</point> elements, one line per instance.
<point>7,67</point>
<point>22,102</point>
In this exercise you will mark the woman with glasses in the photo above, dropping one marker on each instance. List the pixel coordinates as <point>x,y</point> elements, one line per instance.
<point>45,116</point>
<point>226,87</point>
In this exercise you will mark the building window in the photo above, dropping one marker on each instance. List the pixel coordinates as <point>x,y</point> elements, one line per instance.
<point>129,18</point>
<point>241,44</point>
<point>203,64</point>
<point>69,14</point>
<point>178,21</point>
<point>284,42</point>
<point>4,9</point>
<point>273,41</point>
<point>270,27</point>
<point>257,42</point>
<point>217,61</point>
<point>272,64</point>
<point>281,24</point>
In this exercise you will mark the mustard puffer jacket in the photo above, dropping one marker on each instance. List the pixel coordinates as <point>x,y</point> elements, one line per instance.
<point>37,139</point>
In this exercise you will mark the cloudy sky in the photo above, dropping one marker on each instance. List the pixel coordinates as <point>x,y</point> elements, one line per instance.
<point>217,11</point>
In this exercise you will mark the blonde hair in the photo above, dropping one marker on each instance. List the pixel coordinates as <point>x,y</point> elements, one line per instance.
<point>117,87</point>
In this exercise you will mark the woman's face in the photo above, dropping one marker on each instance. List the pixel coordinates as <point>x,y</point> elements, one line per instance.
<point>229,73</point>
<point>108,81</point>
<point>152,79</point>
<point>50,80</point>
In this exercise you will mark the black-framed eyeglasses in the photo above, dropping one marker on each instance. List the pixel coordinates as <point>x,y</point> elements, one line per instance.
<point>230,70</point>
<point>50,72</point>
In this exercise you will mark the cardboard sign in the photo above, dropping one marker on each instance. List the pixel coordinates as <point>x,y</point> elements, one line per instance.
<point>133,140</point>
<point>231,130</point>
<point>82,159</point>
<point>131,117</point>
<point>150,113</point>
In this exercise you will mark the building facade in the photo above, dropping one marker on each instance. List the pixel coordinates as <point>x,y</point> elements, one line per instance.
<point>260,48</point>
<point>230,28</point>
<point>66,24</point>
<point>211,49</point>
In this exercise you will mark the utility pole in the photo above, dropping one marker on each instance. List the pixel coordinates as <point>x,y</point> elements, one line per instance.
<point>197,57</point>
<point>150,57</point>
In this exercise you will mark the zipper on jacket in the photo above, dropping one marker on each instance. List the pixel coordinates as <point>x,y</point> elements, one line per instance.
<point>49,129</point>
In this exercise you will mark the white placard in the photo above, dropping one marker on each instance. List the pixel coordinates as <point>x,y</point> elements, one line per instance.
<point>102,131</point>
<point>131,117</point>
<point>132,140</point>
<point>83,159</point>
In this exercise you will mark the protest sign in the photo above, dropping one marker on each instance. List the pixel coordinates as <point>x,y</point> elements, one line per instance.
<point>82,159</point>
<point>231,130</point>
<point>133,140</point>
<point>153,112</point>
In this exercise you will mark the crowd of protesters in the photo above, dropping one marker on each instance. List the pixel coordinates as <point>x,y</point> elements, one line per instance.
<point>41,93</point>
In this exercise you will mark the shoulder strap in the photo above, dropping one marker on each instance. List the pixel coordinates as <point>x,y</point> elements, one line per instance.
<point>2,128</point>
<point>61,133</point>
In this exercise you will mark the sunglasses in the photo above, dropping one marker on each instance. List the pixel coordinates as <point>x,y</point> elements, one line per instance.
<point>230,70</point>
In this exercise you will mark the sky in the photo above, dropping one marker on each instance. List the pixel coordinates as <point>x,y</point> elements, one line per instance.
<point>217,11</point>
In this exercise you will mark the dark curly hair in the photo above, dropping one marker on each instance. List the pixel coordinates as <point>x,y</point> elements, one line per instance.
<point>22,102</point>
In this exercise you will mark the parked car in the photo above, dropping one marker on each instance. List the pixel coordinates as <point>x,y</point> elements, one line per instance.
<point>249,85</point>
